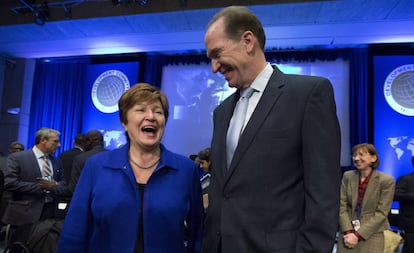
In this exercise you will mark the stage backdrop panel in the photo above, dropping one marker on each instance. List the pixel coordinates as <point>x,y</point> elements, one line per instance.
<point>394,113</point>
<point>105,85</point>
<point>194,92</point>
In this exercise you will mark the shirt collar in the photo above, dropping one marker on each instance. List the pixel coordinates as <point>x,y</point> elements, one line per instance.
<point>260,82</point>
<point>38,153</point>
<point>80,148</point>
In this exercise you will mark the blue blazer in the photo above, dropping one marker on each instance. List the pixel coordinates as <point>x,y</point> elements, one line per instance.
<point>281,190</point>
<point>104,213</point>
<point>21,173</point>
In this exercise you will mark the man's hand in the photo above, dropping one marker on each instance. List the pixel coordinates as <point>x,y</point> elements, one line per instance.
<point>46,184</point>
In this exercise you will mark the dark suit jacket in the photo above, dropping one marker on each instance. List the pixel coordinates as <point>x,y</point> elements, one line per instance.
<point>67,161</point>
<point>78,164</point>
<point>281,191</point>
<point>65,191</point>
<point>404,193</point>
<point>28,198</point>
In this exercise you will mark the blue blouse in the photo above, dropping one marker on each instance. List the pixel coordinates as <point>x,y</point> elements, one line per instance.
<point>104,213</point>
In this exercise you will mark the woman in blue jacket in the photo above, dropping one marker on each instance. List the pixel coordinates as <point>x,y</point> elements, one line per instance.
<point>140,198</point>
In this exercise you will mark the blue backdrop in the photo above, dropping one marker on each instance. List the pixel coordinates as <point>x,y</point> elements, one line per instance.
<point>105,84</point>
<point>394,114</point>
<point>393,124</point>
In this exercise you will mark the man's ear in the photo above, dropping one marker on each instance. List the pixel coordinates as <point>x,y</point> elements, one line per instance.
<point>248,40</point>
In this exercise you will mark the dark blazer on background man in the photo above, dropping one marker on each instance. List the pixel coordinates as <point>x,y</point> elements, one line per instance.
<point>67,160</point>
<point>404,193</point>
<point>281,190</point>
<point>78,164</point>
<point>28,199</point>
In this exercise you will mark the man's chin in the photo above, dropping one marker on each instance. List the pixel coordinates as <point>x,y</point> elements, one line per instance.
<point>231,85</point>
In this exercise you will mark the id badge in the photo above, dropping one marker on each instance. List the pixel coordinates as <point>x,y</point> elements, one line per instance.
<point>356,224</point>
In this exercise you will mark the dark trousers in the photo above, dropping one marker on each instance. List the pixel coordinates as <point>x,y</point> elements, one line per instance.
<point>408,243</point>
<point>48,211</point>
<point>19,234</point>
<point>22,233</point>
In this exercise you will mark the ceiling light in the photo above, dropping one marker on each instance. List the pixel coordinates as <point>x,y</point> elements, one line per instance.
<point>42,14</point>
<point>39,18</point>
<point>13,110</point>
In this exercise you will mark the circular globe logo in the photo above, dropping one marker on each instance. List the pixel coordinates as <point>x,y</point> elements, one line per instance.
<point>399,89</point>
<point>107,89</point>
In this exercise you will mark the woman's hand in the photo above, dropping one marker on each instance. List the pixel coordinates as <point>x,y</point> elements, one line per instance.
<point>350,240</point>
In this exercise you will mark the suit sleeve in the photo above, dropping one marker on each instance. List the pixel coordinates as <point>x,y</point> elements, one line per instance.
<point>18,181</point>
<point>76,171</point>
<point>345,207</point>
<point>322,172</point>
<point>61,189</point>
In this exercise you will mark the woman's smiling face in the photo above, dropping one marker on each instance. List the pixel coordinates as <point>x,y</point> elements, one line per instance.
<point>363,160</point>
<point>145,124</point>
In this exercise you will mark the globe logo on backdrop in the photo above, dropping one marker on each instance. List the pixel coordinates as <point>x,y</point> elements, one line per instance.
<point>107,89</point>
<point>399,89</point>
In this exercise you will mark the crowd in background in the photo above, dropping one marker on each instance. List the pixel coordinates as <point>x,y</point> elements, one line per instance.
<point>271,180</point>
<point>37,187</point>
<point>378,200</point>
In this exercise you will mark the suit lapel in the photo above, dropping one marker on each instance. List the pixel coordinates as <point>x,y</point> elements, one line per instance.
<point>37,172</point>
<point>354,180</point>
<point>264,107</point>
<point>372,186</point>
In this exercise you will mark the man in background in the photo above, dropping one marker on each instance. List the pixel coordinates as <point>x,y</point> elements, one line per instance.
<point>15,146</point>
<point>68,156</point>
<point>94,144</point>
<point>31,201</point>
<point>404,194</point>
<point>275,162</point>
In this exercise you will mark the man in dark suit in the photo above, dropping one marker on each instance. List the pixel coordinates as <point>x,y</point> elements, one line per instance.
<point>279,192</point>
<point>63,192</point>
<point>94,144</point>
<point>404,194</point>
<point>31,201</point>
<point>68,156</point>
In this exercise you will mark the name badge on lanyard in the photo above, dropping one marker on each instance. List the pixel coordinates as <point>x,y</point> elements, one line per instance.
<point>356,224</point>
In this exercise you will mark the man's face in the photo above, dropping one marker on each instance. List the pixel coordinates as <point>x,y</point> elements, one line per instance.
<point>50,145</point>
<point>205,165</point>
<point>229,57</point>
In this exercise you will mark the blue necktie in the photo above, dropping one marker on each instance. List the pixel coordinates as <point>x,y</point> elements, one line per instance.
<point>237,123</point>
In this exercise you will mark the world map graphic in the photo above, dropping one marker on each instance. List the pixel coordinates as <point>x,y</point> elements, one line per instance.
<point>402,145</point>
